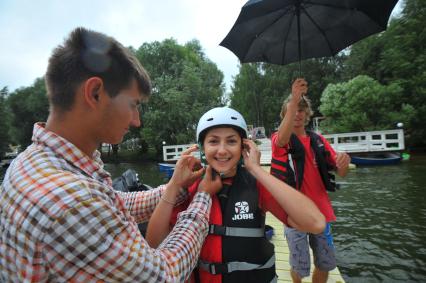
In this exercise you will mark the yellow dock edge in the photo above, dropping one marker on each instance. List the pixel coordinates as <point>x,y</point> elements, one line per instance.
<point>281,255</point>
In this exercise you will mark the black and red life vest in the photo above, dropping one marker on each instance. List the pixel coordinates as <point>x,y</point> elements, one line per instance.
<point>236,249</point>
<point>289,167</point>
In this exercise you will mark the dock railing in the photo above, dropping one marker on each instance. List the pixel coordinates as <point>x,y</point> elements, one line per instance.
<point>374,141</point>
<point>173,152</point>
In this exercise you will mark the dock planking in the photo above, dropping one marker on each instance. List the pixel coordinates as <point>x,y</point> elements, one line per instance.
<point>282,255</point>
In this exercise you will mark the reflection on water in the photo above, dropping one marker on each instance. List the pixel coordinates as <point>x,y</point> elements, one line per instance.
<point>380,232</point>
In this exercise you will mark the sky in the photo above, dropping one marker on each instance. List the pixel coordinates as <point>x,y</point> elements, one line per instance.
<point>30,30</point>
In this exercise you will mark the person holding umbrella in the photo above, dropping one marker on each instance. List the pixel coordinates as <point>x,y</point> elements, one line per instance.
<point>304,159</point>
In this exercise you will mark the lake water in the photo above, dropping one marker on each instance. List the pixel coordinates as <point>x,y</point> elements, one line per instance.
<point>380,233</point>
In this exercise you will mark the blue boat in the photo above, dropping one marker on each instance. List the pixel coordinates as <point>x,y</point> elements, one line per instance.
<point>167,168</point>
<point>386,158</point>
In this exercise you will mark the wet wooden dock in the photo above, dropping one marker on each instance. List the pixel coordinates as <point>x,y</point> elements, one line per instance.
<point>282,255</point>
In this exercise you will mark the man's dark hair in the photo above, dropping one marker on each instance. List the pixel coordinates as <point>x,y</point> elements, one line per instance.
<point>87,54</point>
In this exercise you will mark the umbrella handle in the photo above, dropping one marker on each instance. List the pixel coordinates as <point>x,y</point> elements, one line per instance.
<point>299,47</point>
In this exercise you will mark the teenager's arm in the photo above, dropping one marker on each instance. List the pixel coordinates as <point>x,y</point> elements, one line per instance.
<point>185,173</point>
<point>302,213</point>
<point>285,128</point>
<point>341,159</point>
<point>159,223</point>
<point>342,163</point>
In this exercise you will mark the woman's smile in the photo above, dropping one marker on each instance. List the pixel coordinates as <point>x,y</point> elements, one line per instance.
<point>222,147</point>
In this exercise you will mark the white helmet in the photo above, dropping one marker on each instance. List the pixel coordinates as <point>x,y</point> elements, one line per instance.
<point>221,116</point>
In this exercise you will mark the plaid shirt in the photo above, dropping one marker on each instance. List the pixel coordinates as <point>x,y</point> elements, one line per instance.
<point>61,221</point>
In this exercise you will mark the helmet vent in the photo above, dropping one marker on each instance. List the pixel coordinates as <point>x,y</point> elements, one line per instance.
<point>220,117</point>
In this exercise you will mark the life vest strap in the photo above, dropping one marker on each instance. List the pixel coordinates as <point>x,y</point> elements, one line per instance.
<point>221,268</point>
<point>236,231</point>
<point>278,162</point>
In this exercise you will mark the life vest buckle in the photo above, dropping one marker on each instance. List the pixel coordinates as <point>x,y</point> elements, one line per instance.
<point>217,229</point>
<point>214,268</point>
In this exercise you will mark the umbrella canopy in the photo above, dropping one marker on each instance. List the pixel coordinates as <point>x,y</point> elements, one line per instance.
<point>286,31</point>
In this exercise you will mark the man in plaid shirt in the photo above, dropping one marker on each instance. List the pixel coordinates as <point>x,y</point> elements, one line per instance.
<point>60,219</point>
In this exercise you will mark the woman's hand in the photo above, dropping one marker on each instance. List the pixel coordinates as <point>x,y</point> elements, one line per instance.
<point>251,154</point>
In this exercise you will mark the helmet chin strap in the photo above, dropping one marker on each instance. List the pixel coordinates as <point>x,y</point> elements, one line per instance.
<point>204,163</point>
<point>222,174</point>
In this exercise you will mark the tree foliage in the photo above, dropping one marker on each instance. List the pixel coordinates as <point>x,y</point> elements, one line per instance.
<point>397,56</point>
<point>363,104</point>
<point>28,105</point>
<point>185,85</point>
<point>4,122</point>
<point>259,89</point>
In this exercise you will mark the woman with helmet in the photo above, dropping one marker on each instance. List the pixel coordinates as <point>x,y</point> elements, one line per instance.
<point>236,249</point>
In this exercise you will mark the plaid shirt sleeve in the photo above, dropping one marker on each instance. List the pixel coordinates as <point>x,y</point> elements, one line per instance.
<point>141,205</point>
<point>94,241</point>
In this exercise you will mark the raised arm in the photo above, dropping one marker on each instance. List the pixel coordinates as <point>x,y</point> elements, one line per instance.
<point>302,213</point>
<point>298,88</point>
<point>183,176</point>
<point>159,223</point>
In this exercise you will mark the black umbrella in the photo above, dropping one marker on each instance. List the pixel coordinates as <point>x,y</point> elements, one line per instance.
<point>286,31</point>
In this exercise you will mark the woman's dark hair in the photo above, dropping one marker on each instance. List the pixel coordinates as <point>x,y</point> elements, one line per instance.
<point>204,132</point>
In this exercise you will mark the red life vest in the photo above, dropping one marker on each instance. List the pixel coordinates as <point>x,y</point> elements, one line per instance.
<point>236,249</point>
<point>289,167</point>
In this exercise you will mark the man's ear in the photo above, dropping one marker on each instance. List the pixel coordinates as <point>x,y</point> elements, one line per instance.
<point>93,88</point>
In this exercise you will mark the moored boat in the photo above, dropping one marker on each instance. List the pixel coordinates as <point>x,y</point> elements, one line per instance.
<point>386,158</point>
<point>167,168</point>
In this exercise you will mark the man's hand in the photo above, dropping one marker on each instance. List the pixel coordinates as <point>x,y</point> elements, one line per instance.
<point>187,170</point>
<point>211,183</point>
<point>190,150</point>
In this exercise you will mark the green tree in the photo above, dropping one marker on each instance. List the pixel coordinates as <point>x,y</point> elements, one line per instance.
<point>28,105</point>
<point>364,58</point>
<point>403,61</point>
<point>363,104</point>
<point>397,56</point>
<point>247,93</point>
<point>259,89</point>
<point>4,122</point>
<point>185,85</point>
